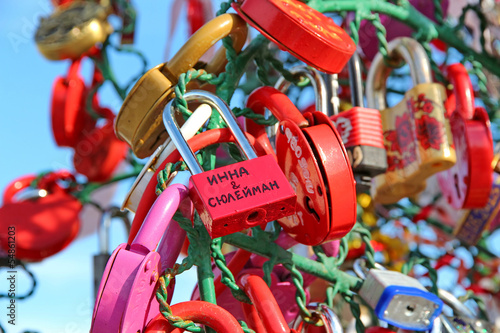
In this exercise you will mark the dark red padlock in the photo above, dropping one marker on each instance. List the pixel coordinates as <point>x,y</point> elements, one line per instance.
<point>311,154</point>
<point>377,329</point>
<point>99,152</point>
<point>468,183</point>
<point>68,115</point>
<point>301,30</point>
<point>44,223</point>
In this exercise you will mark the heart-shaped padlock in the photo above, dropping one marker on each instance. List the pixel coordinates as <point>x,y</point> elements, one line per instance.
<point>301,30</point>
<point>99,152</point>
<point>311,154</point>
<point>45,222</point>
<point>468,183</point>
<point>68,115</point>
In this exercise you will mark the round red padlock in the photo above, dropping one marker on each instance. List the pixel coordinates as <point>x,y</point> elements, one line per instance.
<point>301,30</point>
<point>41,225</point>
<point>99,152</point>
<point>68,116</point>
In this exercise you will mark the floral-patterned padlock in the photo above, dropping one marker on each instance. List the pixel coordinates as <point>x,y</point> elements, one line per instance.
<point>45,221</point>
<point>417,135</point>
<point>468,183</point>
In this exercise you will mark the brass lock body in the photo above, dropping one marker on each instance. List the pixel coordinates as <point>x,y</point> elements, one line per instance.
<point>139,122</point>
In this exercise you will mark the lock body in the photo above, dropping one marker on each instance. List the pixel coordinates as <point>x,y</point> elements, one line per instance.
<point>361,132</point>
<point>418,142</point>
<point>242,195</point>
<point>400,300</point>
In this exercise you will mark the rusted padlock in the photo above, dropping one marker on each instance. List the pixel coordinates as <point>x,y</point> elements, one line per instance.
<point>72,30</point>
<point>361,132</point>
<point>312,156</point>
<point>238,196</point>
<point>46,221</point>
<point>139,121</point>
<point>417,135</point>
<point>468,183</point>
<point>301,30</point>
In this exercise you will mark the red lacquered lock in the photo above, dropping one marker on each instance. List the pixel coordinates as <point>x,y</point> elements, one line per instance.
<point>69,117</point>
<point>304,32</point>
<point>312,156</point>
<point>200,312</point>
<point>237,196</point>
<point>45,222</point>
<point>99,152</point>
<point>376,329</point>
<point>468,183</point>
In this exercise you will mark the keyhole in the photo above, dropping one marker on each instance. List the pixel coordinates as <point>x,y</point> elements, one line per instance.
<point>310,209</point>
<point>410,310</point>
<point>455,178</point>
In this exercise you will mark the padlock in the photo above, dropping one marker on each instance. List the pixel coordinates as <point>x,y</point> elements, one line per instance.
<point>299,29</point>
<point>199,312</point>
<point>417,134</point>
<point>331,322</point>
<point>312,156</point>
<point>400,300</point>
<point>72,30</point>
<point>199,117</point>
<point>68,115</point>
<point>101,259</point>
<point>45,221</point>
<point>126,299</point>
<point>99,152</point>
<point>139,121</point>
<point>361,132</point>
<point>237,196</point>
<point>468,183</point>
<point>268,314</point>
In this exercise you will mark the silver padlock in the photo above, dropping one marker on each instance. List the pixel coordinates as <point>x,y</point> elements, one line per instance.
<point>400,300</point>
<point>331,322</point>
<point>101,259</point>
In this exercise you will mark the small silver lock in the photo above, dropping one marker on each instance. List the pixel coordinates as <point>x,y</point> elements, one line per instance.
<point>400,300</point>
<point>331,322</point>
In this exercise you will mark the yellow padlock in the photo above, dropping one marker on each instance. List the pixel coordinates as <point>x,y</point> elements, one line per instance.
<point>417,135</point>
<point>72,30</point>
<point>139,122</point>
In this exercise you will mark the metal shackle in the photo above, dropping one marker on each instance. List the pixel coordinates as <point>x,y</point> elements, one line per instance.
<point>406,49</point>
<point>458,307</point>
<point>105,224</point>
<point>356,80</point>
<point>218,104</point>
<point>360,269</point>
<point>331,322</point>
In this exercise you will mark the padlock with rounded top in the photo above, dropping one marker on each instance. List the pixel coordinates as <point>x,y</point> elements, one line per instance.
<point>301,30</point>
<point>68,115</point>
<point>313,158</point>
<point>139,122</point>
<point>361,132</point>
<point>72,30</point>
<point>200,312</point>
<point>331,322</point>
<point>199,117</point>
<point>126,299</point>
<point>46,220</point>
<point>237,196</point>
<point>103,234</point>
<point>417,135</point>
<point>468,183</point>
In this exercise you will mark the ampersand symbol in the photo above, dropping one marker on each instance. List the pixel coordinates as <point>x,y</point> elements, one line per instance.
<point>235,187</point>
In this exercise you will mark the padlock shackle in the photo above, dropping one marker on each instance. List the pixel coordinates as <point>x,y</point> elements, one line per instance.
<point>403,48</point>
<point>361,270</point>
<point>317,81</point>
<point>105,223</point>
<point>462,89</point>
<point>356,81</point>
<point>458,307</point>
<point>225,112</point>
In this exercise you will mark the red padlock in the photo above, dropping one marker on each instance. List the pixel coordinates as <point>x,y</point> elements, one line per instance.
<point>377,329</point>
<point>301,30</point>
<point>45,223</point>
<point>69,117</point>
<point>99,152</point>
<point>468,183</point>
<point>311,154</point>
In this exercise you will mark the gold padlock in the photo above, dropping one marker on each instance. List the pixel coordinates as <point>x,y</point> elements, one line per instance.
<point>417,135</point>
<point>139,122</point>
<point>72,30</point>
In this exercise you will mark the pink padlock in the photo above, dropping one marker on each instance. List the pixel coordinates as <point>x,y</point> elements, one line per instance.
<point>126,299</point>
